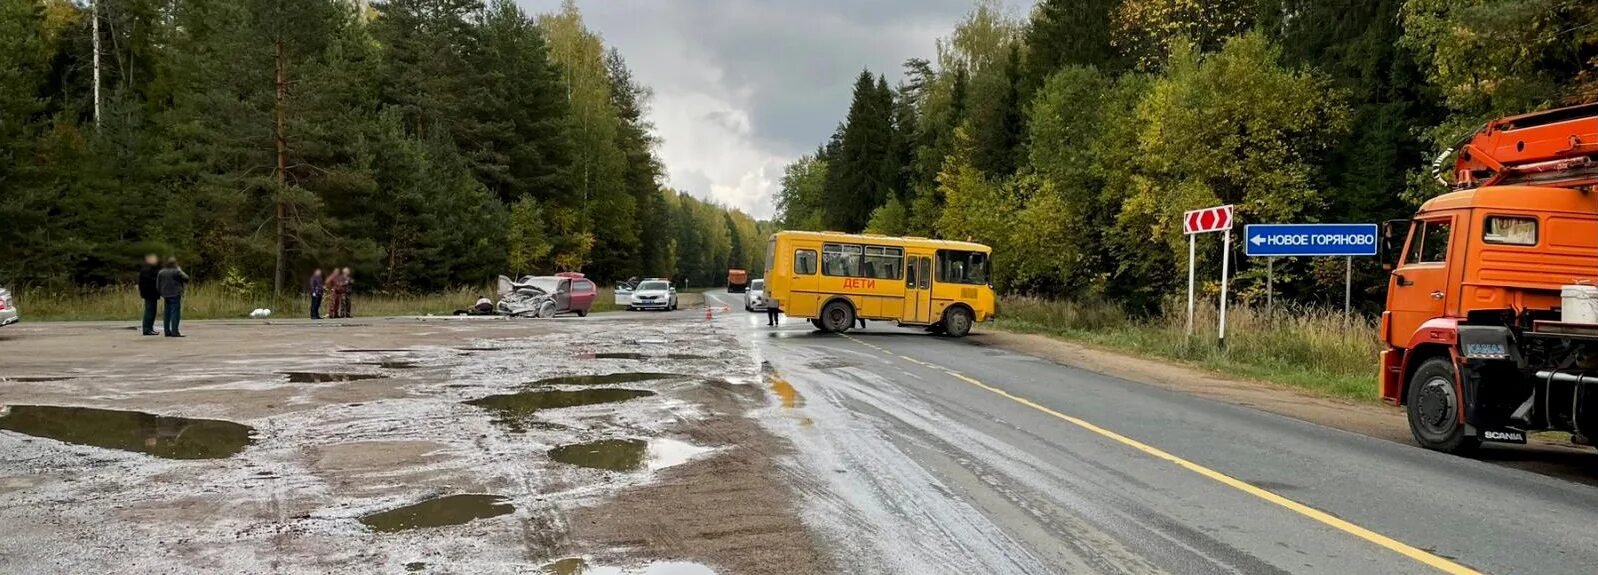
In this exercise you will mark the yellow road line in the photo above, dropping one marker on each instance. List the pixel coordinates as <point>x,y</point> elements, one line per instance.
<point>1389,543</point>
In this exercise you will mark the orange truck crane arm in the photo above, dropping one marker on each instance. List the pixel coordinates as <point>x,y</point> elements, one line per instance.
<point>1554,148</point>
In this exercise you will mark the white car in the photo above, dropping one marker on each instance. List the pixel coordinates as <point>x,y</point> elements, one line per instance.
<point>755,296</point>
<point>8,308</point>
<point>653,294</point>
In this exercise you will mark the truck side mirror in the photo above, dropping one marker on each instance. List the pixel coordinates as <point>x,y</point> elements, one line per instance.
<point>1393,234</point>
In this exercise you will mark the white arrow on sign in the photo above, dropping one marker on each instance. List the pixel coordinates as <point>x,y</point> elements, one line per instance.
<point>1257,240</point>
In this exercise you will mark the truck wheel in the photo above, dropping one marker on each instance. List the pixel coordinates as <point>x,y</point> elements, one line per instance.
<point>1433,408</point>
<point>957,321</point>
<point>837,317</point>
<point>582,313</point>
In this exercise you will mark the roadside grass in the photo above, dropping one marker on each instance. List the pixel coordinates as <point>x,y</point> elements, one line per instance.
<point>1303,347</point>
<point>207,301</point>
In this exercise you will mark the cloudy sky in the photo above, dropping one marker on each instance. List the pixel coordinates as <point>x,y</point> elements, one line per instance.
<point>742,87</point>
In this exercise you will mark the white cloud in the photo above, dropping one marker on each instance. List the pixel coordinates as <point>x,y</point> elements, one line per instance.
<point>743,87</point>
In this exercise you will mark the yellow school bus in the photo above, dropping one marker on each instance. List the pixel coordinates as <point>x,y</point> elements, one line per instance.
<point>832,278</point>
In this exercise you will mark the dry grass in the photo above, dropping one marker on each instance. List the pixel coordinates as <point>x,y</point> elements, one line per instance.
<point>215,302</point>
<point>1303,347</point>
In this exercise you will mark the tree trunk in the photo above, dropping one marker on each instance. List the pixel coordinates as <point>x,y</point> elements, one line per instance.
<point>282,178</point>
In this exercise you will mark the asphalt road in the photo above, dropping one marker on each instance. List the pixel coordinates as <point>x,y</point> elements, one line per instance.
<point>920,454</point>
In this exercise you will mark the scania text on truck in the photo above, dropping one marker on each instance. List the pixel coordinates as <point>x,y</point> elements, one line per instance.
<point>1491,326</point>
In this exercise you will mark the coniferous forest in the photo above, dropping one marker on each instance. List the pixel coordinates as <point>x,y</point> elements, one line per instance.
<point>425,143</point>
<point>1073,137</point>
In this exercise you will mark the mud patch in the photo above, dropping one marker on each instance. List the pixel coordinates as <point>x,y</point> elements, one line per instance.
<point>35,379</point>
<point>734,510</point>
<point>323,377</point>
<point>165,437</point>
<point>439,512</point>
<point>606,379</point>
<point>392,364</point>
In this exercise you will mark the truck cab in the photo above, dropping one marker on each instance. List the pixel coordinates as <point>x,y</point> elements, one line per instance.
<point>1478,342</point>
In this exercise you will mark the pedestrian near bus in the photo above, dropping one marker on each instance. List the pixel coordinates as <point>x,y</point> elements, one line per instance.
<point>771,313</point>
<point>171,283</point>
<point>335,291</point>
<point>349,287</point>
<point>148,291</point>
<point>316,293</point>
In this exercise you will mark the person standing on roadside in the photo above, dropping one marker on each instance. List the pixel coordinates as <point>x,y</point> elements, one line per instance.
<point>771,314</point>
<point>148,291</point>
<point>335,283</point>
<point>171,283</point>
<point>316,294</point>
<point>349,286</point>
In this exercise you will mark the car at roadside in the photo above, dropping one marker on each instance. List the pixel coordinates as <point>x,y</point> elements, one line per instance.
<point>571,293</point>
<point>755,296</point>
<point>8,308</point>
<point>653,294</point>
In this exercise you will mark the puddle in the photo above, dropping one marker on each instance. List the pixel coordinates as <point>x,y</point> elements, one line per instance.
<point>35,378</point>
<point>393,364</point>
<point>577,566</point>
<point>516,406</point>
<point>640,356</point>
<point>439,512</point>
<point>606,379</point>
<point>627,454</point>
<point>167,437</point>
<point>568,566</point>
<point>415,566</point>
<point>608,454</point>
<point>373,350</point>
<point>479,348</point>
<point>321,377</point>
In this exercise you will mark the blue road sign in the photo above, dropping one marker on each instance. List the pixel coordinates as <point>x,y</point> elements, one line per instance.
<point>1309,240</point>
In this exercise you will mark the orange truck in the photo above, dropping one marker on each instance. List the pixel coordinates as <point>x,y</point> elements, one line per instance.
<point>737,281</point>
<point>1491,326</point>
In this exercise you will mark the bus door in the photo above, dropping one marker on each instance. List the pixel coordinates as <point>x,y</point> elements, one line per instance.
<point>917,289</point>
<point>802,283</point>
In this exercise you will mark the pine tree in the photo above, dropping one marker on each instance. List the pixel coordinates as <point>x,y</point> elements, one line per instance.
<point>1064,33</point>
<point>857,171</point>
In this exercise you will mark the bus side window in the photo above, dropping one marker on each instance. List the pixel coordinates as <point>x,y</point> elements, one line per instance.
<point>910,273</point>
<point>804,262</point>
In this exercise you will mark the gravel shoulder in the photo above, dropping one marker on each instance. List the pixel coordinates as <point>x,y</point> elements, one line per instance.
<point>355,418</point>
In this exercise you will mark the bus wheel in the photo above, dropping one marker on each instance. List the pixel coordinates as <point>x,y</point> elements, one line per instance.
<point>817,323</point>
<point>837,317</point>
<point>957,321</point>
<point>1434,408</point>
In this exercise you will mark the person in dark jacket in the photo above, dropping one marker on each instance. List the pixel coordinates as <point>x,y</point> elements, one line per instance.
<point>349,286</point>
<point>316,294</point>
<point>171,283</point>
<point>148,291</point>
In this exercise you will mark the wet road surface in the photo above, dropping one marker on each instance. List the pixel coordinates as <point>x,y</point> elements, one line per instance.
<point>920,454</point>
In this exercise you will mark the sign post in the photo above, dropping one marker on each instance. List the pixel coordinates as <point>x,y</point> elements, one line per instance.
<point>1191,240</point>
<point>1216,219</point>
<point>1226,264</point>
<point>1346,240</point>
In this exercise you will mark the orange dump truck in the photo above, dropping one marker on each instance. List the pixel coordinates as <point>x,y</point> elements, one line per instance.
<point>737,281</point>
<point>1491,326</point>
